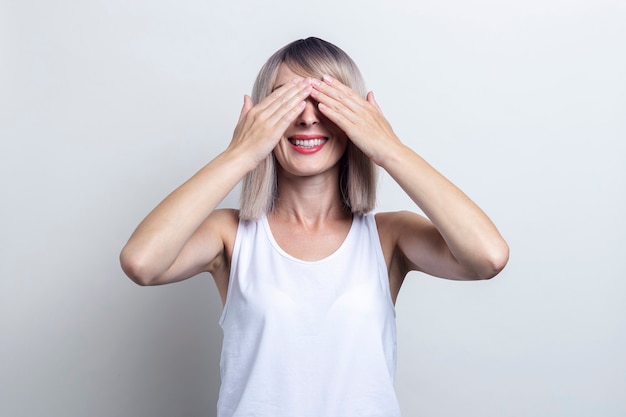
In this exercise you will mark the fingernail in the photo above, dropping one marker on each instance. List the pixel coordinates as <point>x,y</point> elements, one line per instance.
<point>328,79</point>
<point>316,82</point>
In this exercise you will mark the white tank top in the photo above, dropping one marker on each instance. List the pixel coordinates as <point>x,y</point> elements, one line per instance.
<point>308,339</point>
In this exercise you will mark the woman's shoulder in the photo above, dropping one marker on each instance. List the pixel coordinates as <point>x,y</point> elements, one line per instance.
<point>389,223</point>
<point>227,215</point>
<point>220,228</point>
<point>396,223</point>
<point>223,221</point>
<point>396,218</point>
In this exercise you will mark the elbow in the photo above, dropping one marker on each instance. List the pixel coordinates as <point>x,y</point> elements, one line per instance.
<point>136,268</point>
<point>494,261</point>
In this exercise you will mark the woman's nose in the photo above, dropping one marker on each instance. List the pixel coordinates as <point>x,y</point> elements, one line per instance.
<point>310,114</point>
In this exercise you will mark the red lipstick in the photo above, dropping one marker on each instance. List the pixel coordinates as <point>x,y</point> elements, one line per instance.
<point>307,144</point>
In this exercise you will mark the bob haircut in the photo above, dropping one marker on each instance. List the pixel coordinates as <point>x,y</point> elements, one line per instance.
<point>311,57</point>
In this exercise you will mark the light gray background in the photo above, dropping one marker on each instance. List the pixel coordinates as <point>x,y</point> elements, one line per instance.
<point>107,105</point>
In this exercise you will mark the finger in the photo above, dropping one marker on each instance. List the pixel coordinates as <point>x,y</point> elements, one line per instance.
<point>247,105</point>
<point>287,115</point>
<point>372,100</point>
<point>339,111</point>
<point>290,104</point>
<point>282,100</point>
<point>281,93</point>
<point>337,96</point>
<point>337,90</point>
<point>270,118</point>
<point>266,114</point>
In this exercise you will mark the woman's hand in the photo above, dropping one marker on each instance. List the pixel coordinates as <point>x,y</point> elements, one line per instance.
<point>460,241</point>
<point>261,127</point>
<point>361,119</point>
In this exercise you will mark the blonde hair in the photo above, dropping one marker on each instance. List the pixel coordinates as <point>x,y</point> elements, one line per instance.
<point>311,57</point>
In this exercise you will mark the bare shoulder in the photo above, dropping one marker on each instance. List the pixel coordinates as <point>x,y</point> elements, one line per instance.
<point>394,223</point>
<point>392,226</point>
<point>224,219</point>
<point>395,227</point>
<point>411,236</point>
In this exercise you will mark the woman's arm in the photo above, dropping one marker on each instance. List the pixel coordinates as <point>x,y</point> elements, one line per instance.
<point>183,235</point>
<point>458,240</point>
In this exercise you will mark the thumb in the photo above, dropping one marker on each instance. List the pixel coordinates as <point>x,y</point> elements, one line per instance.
<point>372,100</point>
<point>247,105</point>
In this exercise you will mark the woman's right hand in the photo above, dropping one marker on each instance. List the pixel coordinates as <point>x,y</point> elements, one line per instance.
<point>184,235</point>
<point>260,127</point>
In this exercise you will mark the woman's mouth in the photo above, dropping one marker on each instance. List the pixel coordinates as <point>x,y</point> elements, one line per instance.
<point>307,144</point>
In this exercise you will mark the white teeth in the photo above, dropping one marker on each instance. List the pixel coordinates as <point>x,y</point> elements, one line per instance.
<point>308,143</point>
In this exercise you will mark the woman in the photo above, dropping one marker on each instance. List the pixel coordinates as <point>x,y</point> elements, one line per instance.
<point>307,275</point>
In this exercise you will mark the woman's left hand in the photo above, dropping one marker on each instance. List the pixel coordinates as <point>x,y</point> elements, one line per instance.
<point>362,120</point>
<point>459,241</point>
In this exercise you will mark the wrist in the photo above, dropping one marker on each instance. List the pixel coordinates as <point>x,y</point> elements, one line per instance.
<point>391,154</point>
<point>239,158</point>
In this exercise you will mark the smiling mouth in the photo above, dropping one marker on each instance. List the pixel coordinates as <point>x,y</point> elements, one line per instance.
<point>307,143</point>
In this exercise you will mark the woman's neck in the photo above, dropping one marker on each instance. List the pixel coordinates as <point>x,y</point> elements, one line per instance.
<point>309,199</point>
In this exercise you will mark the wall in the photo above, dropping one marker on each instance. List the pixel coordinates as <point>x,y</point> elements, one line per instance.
<point>106,106</point>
